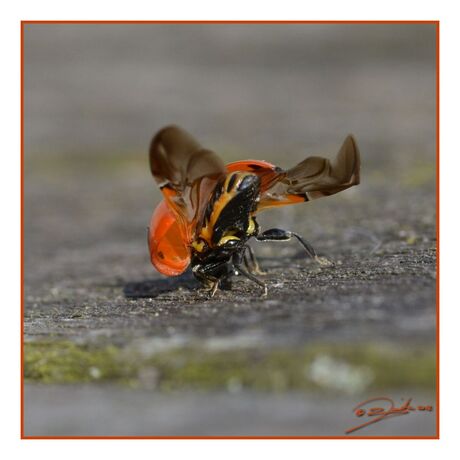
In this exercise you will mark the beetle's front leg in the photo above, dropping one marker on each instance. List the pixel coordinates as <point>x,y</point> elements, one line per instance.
<point>211,276</point>
<point>237,261</point>
<point>277,234</point>
<point>252,264</point>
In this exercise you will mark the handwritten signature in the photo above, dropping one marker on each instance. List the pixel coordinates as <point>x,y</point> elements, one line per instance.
<point>377,414</point>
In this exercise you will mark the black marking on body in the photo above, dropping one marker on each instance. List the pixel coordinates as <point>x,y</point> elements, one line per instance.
<point>228,211</point>
<point>234,217</point>
<point>216,194</point>
<point>231,182</point>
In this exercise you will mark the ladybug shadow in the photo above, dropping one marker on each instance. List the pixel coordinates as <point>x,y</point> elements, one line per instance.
<point>153,288</point>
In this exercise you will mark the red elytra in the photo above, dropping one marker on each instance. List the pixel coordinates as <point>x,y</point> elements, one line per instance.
<point>169,250</point>
<point>247,165</point>
<point>268,174</point>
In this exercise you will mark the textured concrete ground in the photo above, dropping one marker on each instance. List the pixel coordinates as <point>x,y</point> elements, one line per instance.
<point>121,412</point>
<point>94,96</point>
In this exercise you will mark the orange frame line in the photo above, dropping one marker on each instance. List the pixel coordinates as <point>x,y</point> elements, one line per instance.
<point>230,21</point>
<point>434,22</point>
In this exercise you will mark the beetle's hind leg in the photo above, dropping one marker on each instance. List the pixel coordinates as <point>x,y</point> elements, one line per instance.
<point>251,263</point>
<point>237,261</point>
<point>277,234</point>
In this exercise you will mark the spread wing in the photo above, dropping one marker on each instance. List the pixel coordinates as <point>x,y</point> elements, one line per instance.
<point>186,174</point>
<point>313,178</point>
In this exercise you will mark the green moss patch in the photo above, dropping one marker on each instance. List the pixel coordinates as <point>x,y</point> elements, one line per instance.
<point>340,368</point>
<point>67,362</point>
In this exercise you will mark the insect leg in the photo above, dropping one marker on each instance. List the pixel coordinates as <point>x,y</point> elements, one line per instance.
<point>237,263</point>
<point>255,267</point>
<point>277,234</point>
<point>213,289</point>
<point>247,262</point>
<point>223,283</point>
<point>213,276</point>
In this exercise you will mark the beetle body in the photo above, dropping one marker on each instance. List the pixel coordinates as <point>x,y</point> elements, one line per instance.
<point>209,211</point>
<point>227,225</point>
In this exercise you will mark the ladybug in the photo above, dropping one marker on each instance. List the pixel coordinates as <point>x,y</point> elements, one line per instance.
<point>209,209</point>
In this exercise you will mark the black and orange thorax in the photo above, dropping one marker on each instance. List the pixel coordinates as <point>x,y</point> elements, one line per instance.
<point>229,214</point>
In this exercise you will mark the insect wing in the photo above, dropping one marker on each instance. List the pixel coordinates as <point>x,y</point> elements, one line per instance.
<point>313,178</point>
<point>187,175</point>
<point>185,172</point>
<point>318,176</point>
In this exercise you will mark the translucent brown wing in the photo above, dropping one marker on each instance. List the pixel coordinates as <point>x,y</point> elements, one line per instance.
<point>186,174</point>
<point>313,178</point>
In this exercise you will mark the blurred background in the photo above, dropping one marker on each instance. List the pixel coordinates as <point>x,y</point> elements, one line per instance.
<point>114,348</point>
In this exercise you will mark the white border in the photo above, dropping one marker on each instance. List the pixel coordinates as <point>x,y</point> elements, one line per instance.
<point>139,10</point>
